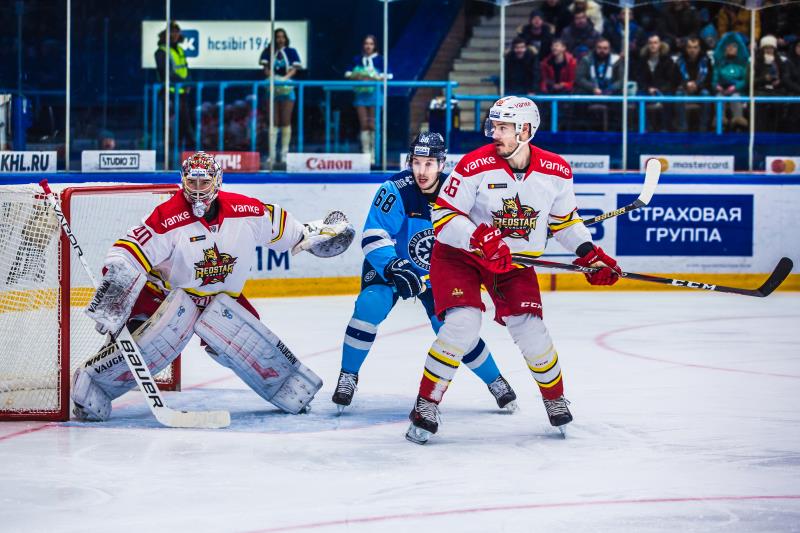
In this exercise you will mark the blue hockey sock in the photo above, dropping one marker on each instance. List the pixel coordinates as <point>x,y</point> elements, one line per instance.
<point>480,361</point>
<point>358,340</point>
<point>372,306</point>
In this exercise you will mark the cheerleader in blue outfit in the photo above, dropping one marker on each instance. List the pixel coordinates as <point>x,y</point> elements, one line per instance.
<point>286,64</point>
<point>367,67</point>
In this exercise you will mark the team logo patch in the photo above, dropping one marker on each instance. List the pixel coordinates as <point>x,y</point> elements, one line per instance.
<point>457,293</point>
<point>422,150</point>
<point>515,220</point>
<point>498,186</point>
<point>197,238</point>
<point>214,267</point>
<point>420,247</point>
<point>369,276</point>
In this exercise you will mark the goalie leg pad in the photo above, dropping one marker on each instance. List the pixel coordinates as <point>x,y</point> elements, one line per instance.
<point>106,375</point>
<point>239,341</point>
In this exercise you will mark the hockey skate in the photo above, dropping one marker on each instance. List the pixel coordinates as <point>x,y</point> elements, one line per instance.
<point>503,394</point>
<point>559,414</point>
<point>424,421</point>
<point>345,389</point>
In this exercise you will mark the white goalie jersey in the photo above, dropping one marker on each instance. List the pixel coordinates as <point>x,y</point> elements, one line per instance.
<point>176,249</point>
<point>483,189</point>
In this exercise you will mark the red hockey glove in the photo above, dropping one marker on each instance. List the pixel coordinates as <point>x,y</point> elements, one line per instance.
<point>489,244</point>
<point>609,271</point>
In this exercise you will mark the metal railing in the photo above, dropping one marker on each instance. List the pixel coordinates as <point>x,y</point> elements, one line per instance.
<point>153,103</point>
<point>641,101</point>
<point>153,111</point>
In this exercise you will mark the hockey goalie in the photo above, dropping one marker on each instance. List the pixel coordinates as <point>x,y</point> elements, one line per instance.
<point>182,273</point>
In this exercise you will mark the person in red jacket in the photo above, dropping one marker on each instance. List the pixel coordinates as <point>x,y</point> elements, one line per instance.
<point>558,70</point>
<point>558,77</point>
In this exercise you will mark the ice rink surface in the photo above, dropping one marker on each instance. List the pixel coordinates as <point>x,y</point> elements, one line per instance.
<point>687,418</point>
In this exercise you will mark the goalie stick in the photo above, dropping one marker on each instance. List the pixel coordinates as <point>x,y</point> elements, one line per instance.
<point>779,274</point>
<point>652,174</point>
<point>133,356</point>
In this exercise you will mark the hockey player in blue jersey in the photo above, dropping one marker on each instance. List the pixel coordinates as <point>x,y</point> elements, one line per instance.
<point>397,242</point>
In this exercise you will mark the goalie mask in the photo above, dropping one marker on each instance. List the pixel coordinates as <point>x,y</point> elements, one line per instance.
<point>201,177</point>
<point>515,110</point>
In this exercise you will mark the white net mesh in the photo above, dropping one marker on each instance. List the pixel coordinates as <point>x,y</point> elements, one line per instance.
<point>29,314</point>
<point>31,347</point>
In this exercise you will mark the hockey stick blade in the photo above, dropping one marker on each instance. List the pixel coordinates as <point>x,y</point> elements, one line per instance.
<point>165,415</point>
<point>133,356</point>
<point>781,272</point>
<point>777,277</point>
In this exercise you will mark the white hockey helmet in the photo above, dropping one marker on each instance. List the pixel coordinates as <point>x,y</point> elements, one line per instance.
<point>201,177</point>
<point>516,110</point>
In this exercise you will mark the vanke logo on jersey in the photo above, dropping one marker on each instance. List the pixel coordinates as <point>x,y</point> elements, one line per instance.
<point>515,220</point>
<point>214,267</point>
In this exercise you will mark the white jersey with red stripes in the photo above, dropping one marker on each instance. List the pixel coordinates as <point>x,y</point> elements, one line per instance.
<point>179,250</point>
<point>484,189</point>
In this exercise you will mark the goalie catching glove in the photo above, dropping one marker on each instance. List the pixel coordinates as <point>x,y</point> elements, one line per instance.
<point>328,237</point>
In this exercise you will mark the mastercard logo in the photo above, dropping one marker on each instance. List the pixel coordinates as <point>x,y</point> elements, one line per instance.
<point>783,166</point>
<point>662,160</point>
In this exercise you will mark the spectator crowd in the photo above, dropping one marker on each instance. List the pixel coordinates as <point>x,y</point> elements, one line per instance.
<point>677,48</point>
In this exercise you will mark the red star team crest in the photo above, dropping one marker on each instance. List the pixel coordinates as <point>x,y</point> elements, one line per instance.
<point>214,267</point>
<point>515,220</point>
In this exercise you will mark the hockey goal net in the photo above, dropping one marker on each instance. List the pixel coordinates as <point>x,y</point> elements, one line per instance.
<point>44,334</point>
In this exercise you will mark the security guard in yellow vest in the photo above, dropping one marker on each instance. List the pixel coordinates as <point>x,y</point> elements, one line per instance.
<point>178,73</point>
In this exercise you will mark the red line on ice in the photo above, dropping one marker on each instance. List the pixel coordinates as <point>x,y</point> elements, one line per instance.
<point>602,341</point>
<point>28,430</point>
<point>555,505</point>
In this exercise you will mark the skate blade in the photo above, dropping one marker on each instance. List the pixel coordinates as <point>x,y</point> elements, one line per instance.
<point>563,431</point>
<point>339,409</point>
<point>417,435</point>
<point>511,407</point>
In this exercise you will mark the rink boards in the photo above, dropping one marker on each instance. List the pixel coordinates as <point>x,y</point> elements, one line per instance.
<point>727,230</point>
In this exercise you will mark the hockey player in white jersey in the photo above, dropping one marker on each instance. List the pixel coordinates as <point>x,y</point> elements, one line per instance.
<point>501,198</point>
<point>182,272</point>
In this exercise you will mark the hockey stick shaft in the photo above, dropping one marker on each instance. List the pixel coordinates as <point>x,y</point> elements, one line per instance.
<point>133,356</point>
<point>651,177</point>
<point>779,274</point>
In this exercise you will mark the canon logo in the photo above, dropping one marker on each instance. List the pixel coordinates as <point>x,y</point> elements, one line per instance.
<point>314,163</point>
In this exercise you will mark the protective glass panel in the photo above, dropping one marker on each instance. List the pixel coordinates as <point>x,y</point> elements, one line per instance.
<point>776,88</point>
<point>572,71</point>
<point>296,99</point>
<point>116,119</point>
<point>33,84</point>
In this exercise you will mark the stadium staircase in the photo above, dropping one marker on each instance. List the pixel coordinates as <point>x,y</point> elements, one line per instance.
<point>477,68</point>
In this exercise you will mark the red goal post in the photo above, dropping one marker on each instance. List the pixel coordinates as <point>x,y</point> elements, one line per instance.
<point>44,334</point>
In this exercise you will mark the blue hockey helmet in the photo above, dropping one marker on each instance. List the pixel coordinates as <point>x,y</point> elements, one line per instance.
<point>427,144</point>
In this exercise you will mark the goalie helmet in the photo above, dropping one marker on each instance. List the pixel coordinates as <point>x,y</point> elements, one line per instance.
<point>516,110</point>
<point>427,144</point>
<point>201,177</point>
